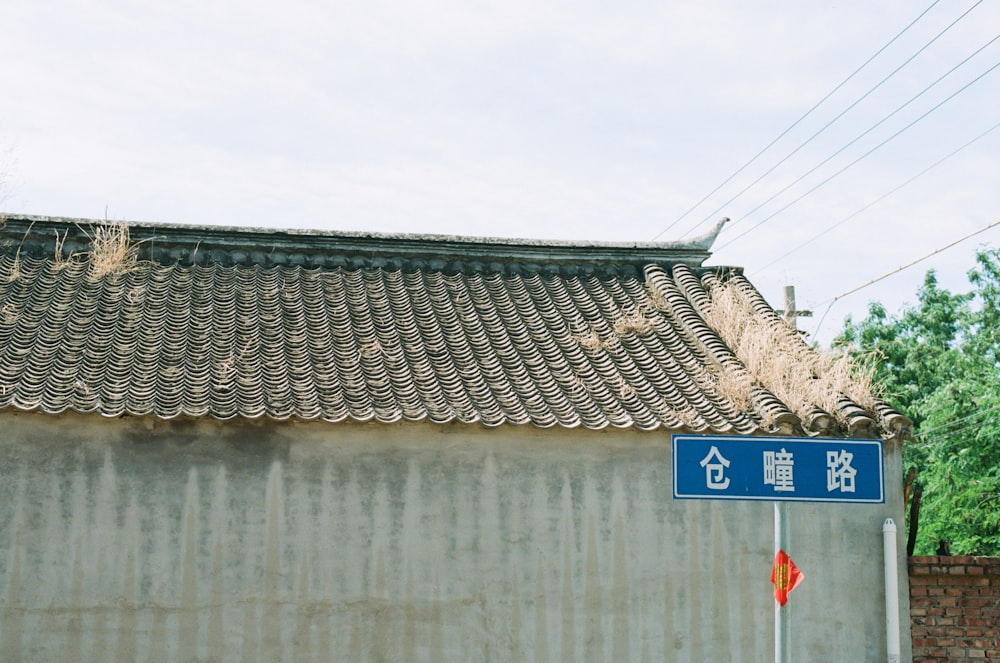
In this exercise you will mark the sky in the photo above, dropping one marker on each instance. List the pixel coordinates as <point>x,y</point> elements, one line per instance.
<point>580,120</point>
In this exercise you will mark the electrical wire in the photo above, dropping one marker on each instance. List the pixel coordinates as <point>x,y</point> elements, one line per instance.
<point>819,324</point>
<point>918,260</point>
<point>898,270</point>
<point>977,413</point>
<point>840,115</point>
<point>796,123</point>
<point>876,201</point>
<point>863,156</point>
<point>869,129</point>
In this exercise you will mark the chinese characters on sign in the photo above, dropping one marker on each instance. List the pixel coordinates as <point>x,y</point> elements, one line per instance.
<point>718,467</point>
<point>715,466</point>
<point>778,470</point>
<point>839,473</point>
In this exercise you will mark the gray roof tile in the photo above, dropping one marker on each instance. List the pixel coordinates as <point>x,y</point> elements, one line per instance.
<point>230,323</point>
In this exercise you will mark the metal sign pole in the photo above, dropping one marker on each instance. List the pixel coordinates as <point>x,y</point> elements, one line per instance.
<point>780,611</point>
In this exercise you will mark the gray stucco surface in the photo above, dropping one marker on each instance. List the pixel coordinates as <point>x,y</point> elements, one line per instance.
<point>145,540</point>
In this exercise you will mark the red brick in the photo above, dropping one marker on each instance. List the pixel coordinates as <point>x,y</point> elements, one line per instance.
<point>964,580</point>
<point>955,609</point>
<point>922,580</point>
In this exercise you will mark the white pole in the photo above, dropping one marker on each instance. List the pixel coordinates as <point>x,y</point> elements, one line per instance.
<point>891,591</point>
<point>780,612</point>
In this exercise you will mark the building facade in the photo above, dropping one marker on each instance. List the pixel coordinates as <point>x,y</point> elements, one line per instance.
<point>227,444</point>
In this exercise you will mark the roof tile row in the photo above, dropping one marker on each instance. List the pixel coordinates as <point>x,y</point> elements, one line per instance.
<point>547,348</point>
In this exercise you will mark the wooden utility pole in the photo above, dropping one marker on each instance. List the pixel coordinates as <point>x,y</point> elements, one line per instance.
<point>790,313</point>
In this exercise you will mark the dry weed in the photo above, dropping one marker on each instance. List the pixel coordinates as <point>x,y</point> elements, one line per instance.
<point>370,350</point>
<point>634,321</point>
<point>135,295</point>
<point>59,261</point>
<point>776,357</point>
<point>658,300</point>
<point>621,387</point>
<point>15,267</point>
<point>112,252</point>
<point>227,368</point>
<point>688,416</point>
<point>734,386</point>
<point>590,340</point>
<point>576,388</point>
<point>10,314</point>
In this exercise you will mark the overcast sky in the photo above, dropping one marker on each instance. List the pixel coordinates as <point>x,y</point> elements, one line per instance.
<point>523,118</point>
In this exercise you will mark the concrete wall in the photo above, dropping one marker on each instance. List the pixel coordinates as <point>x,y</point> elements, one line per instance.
<point>136,540</point>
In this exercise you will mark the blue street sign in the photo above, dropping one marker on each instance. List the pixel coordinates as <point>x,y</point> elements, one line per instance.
<point>777,469</point>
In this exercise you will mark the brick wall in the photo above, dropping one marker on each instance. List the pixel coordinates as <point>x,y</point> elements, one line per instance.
<point>955,609</point>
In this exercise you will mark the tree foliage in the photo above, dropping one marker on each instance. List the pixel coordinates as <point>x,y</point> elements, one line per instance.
<point>939,362</point>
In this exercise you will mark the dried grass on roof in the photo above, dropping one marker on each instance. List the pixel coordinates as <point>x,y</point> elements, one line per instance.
<point>591,340</point>
<point>634,320</point>
<point>775,355</point>
<point>15,267</point>
<point>112,251</point>
<point>59,261</point>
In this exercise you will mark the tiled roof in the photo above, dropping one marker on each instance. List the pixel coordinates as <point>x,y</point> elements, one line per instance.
<point>246,323</point>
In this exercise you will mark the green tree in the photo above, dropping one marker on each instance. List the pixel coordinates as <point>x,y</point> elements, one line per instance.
<point>939,362</point>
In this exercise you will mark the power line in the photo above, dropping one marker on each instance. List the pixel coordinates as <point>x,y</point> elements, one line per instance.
<point>840,115</point>
<point>917,261</point>
<point>863,156</point>
<point>819,324</point>
<point>869,129</point>
<point>977,413</point>
<point>900,269</point>
<point>877,200</point>
<point>796,123</point>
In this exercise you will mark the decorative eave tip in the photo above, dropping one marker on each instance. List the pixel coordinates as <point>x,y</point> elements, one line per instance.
<point>705,241</point>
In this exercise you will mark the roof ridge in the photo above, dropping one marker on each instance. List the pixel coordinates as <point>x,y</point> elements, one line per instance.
<point>41,236</point>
